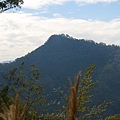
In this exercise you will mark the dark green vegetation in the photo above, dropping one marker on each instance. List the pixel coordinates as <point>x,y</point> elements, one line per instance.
<point>62,57</point>
<point>30,102</point>
<point>10,4</point>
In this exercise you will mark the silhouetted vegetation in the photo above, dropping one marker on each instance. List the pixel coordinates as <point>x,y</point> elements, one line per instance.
<point>10,4</point>
<point>31,105</point>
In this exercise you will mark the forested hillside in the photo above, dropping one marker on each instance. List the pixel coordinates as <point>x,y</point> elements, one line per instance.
<point>63,56</point>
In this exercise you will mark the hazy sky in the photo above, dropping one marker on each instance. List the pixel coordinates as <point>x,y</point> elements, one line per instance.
<point>25,30</point>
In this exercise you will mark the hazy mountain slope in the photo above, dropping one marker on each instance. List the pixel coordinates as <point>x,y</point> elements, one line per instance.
<point>63,56</point>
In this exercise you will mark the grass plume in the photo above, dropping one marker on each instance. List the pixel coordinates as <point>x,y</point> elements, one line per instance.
<point>13,112</point>
<point>73,108</point>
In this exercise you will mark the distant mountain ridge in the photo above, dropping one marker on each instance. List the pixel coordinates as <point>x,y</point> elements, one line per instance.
<point>63,56</point>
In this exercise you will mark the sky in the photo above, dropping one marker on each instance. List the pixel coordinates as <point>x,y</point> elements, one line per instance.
<point>24,30</point>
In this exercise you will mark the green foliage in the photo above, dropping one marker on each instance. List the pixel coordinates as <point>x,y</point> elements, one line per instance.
<point>10,4</point>
<point>26,83</point>
<point>115,117</point>
<point>84,99</point>
<point>4,97</point>
<point>86,85</point>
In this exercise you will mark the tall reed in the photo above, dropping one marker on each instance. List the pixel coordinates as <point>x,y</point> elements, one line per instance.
<point>13,112</point>
<point>73,102</point>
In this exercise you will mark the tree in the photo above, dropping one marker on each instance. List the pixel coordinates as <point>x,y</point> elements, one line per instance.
<point>10,4</point>
<point>115,117</point>
<point>26,83</point>
<point>78,102</point>
<point>4,97</point>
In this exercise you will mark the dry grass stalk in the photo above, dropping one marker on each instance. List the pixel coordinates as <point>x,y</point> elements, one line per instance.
<point>13,112</point>
<point>73,99</point>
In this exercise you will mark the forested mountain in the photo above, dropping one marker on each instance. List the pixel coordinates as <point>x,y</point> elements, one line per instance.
<point>63,56</point>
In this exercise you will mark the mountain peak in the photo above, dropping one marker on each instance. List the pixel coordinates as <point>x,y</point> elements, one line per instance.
<point>59,39</point>
<point>59,36</point>
<point>62,35</point>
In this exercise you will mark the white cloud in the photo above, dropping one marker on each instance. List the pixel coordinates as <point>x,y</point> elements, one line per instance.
<point>21,33</point>
<point>42,3</point>
<point>95,1</point>
<point>57,15</point>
